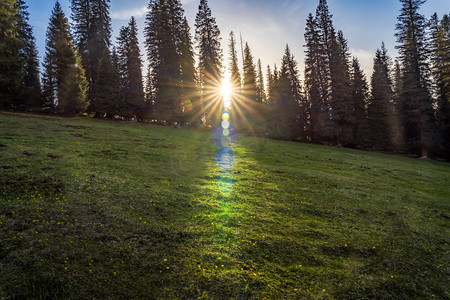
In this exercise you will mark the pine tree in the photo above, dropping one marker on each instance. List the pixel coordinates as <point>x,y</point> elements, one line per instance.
<point>342,110</point>
<point>247,108</point>
<point>207,37</point>
<point>130,70</point>
<point>108,101</point>
<point>30,96</point>
<point>285,105</point>
<point>440,58</point>
<point>417,109</point>
<point>316,97</point>
<point>92,32</point>
<point>190,101</point>
<point>380,107</point>
<point>359,97</point>
<point>269,78</point>
<point>11,65</point>
<point>249,76</point>
<point>260,90</point>
<point>235,78</point>
<point>164,36</point>
<point>65,84</point>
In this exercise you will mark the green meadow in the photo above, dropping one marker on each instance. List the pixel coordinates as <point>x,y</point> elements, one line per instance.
<point>101,209</point>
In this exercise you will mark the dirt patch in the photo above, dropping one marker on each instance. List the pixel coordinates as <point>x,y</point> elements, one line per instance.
<point>75,126</point>
<point>52,156</point>
<point>26,153</point>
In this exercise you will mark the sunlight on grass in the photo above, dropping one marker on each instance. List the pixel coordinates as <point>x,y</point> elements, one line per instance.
<point>153,214</point>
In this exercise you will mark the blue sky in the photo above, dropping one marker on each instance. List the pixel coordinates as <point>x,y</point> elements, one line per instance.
<point>268,25</point>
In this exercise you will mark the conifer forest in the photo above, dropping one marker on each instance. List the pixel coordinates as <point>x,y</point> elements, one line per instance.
<point>402,107</point>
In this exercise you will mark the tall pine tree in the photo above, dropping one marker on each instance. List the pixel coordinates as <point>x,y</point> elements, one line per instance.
<point>130,70</point>
<point>165,35</point>
<point>440,58</point>
<point>235,78</point>
<point>416,101</point>
<point>92,32</point>
<point>30,96</point>
<point>64,79</point>
<point>207,37</point>
<point>190,105</point>
<point>284,107</point>
<point>340,102</point>
<point>11,65</point>
<point>380,107</point>
<point>260,90</point>
<point>359,97</point>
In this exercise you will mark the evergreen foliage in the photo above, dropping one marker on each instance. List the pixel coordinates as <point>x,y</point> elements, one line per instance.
<point>65,84</point>
<point>235,75</point>
<point>168,47</point>
<point>416,101</point>
<point>260,90</point>
<point>109,100</point>
<point>30,96</point>
<point>207,38</point>
<point>129,67</point>
<point>440,58</point>
<point>341,106</point>
<point>11,64</point>
<point>284,106</point>
<point>359,97</point>
<point>190,105</point>
<point>92,32</point>
<point>380,107</point>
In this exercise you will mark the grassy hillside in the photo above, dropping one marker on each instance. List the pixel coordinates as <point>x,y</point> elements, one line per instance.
<point>98,209</point>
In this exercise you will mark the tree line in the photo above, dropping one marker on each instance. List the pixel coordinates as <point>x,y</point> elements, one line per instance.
<point>403,107</point>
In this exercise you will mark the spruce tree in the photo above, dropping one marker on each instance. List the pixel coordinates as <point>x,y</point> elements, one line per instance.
<point>380,107</point>
<point>249,77</point>
<point>164,35</point>
<point>316,97</point>
<point>207,38</point>
<point>190,105</point>
<point>440,58</point>
<point>285,105</point>
<point>269,78</point>
<point>11,64</point>
<point>235,78</point>
<point>260,90</point>
<point>108,101</point>
<point>359,97</point>
<point>130,70</point>
<point>92,32</point>
<point>30,96</point>
<point>416,101</point>
<point>65,84</point>
<point>342,110</point>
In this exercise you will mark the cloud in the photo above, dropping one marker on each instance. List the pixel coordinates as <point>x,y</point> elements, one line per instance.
<point>186,1</point>
<point>365,59</point>
<point>128,13</point>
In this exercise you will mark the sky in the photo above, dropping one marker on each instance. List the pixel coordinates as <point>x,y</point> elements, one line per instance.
<point>267,26</point>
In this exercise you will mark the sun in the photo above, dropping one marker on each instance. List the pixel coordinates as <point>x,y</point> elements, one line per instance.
<point>226,90</point>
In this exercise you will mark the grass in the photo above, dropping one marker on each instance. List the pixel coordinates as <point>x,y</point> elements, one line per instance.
<point>98,209</point>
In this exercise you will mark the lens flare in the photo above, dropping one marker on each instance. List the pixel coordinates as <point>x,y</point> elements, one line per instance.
<point>225,182</point>
<point>225,116</point>
<point>226,158</point>
<point>225,137</point>
<point>225,124</point>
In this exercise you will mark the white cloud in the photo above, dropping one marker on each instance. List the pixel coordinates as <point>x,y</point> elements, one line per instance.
<point>186,1</point>
<point>365,60</point>
<point>128,13</point>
